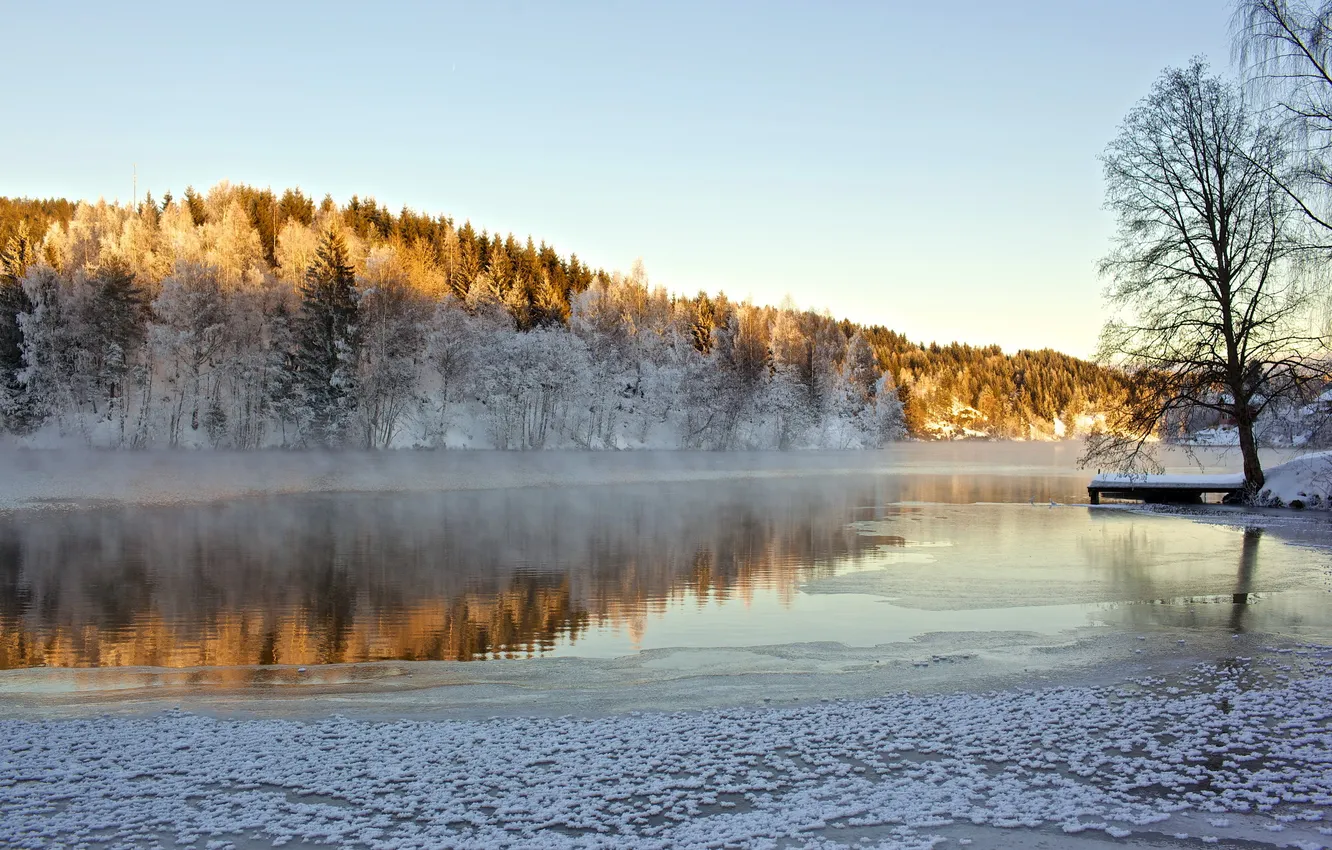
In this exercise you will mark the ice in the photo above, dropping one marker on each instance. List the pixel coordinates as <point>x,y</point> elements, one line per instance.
<point>1224,741</point>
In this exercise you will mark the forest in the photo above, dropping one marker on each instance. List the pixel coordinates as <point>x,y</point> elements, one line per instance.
<point>240,318</point>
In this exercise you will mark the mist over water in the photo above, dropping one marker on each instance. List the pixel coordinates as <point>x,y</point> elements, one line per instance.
<point>712,551</point>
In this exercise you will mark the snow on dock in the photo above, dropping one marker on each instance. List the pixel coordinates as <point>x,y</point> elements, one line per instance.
<point>1162,488</point>
<point>1301,482</point>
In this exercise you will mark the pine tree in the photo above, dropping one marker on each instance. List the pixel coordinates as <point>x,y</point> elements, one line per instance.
<point>702,323</point>
<point>194,202</point>
<point>327,344</point>
<point>14,261</point>
<point>860,365</point>
<point>115,321</point>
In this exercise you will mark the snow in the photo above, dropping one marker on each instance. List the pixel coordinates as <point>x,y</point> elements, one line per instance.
<point>1221,435</point>
<point>212,371</point>
<point>1306,480</point>
<point>1111,479</point>
<point>1237,750</point>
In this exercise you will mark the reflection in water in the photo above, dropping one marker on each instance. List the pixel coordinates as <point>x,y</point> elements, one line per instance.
<point>1283,595</point>
<point>1244,584</point>
<point>465,575</point>
<point>452,576</point>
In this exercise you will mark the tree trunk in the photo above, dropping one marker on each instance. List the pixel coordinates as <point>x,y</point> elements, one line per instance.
<point>1253,468</point>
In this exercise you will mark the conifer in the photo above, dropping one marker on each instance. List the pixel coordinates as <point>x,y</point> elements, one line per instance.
<point>327,343</point>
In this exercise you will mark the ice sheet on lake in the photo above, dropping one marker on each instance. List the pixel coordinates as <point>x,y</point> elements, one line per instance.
<point>1241,749</point>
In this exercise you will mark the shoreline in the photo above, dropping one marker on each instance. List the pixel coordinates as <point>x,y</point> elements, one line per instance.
<point>38,479</point>
<point>1173,758</point>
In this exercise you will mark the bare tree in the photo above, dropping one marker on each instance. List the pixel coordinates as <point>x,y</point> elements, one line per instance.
<point>1207,312</point>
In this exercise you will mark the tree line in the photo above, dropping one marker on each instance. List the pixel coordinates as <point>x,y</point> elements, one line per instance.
<point>243,318</point>
<point>957,388</point>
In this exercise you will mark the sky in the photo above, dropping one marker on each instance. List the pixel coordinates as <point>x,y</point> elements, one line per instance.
<point>928,167</point>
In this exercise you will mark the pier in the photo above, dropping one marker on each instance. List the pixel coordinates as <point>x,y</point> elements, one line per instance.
<point>1163,489</point>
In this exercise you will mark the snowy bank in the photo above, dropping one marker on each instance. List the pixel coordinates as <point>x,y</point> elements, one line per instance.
<point>1236,751</point>
<point>1305,482</point>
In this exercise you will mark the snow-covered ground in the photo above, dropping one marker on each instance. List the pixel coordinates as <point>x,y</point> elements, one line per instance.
<point>1221,435</point>
<point>1239,750</point>
<point>1305,481</point>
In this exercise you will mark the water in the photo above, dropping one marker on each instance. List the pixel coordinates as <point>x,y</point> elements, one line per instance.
<point>695,551</point>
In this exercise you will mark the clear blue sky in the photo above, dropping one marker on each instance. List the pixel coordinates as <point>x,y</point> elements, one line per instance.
<point>931,167</point>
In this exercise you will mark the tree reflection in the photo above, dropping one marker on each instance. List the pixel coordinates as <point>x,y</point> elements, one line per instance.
<point>443,576</point>
<point>1248,562</point>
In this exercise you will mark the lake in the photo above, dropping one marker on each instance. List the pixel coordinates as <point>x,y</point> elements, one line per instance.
<point>548,555</point>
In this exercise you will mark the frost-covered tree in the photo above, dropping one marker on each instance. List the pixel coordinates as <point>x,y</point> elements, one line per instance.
<point>1285,47</point>
<point>113,313</point>
<point>485,302</point>
<point>392,332</point>
<point>272,367</point>
<point>297,246</point>
<point>49,356</point>
<point>886,418</point>
<point>453,344</point>
<point>234,247</point>
<point>82,343</point>
<point>528,382</point>
<point>143,247</point>
<point>189,331</point>
<point>327,345</point>
<point>742,360</point>
<point>600,317</point>
<point>860,366</point>
<point>262,331</point>
<point>183,238</point>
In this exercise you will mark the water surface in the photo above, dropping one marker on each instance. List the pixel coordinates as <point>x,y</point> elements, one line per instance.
<point>920,539</point>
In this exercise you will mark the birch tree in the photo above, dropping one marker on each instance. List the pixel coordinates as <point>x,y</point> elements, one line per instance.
<point>1285,49</point>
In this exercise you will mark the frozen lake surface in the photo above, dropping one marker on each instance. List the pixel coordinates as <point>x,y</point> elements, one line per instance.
<point>928,646</point>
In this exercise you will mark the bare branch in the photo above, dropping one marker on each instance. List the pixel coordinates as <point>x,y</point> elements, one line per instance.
<point>1210,310</point>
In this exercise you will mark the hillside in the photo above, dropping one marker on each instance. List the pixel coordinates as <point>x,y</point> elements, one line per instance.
<point>216,319</point>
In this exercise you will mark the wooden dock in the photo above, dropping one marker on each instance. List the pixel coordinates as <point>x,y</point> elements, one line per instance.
<point>1163,489</point>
